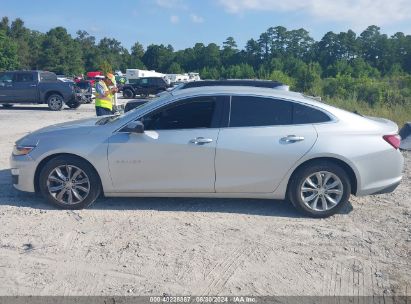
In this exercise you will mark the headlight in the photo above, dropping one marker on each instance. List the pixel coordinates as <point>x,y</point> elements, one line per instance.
<point>22,150</point>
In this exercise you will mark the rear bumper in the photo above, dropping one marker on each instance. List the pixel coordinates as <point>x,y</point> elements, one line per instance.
<point>380,172</point>
<point>388,189</point>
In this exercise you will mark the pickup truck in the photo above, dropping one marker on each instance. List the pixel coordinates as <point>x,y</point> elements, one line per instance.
<point>21,87</point>
<point>145,86</point>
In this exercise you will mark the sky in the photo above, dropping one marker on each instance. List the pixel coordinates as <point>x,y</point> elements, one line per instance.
<point>182,23</point>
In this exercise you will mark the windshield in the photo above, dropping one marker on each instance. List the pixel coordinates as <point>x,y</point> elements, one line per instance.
<point>112,118</point>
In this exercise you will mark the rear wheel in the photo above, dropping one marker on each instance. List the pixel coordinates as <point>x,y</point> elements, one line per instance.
<point>320,189</point>
<point>55,102</point>
<point>127,93</point>
<point>69,182</point>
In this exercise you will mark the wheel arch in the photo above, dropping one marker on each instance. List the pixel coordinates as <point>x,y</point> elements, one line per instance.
<point>343,164</point>
<point>52,92</point>
<point>44,161</point>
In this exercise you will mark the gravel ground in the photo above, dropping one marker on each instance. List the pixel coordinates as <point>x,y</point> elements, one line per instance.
<point>152,246</point>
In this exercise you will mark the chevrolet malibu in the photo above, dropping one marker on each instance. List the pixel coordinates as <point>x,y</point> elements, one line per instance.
<point>215,141</point>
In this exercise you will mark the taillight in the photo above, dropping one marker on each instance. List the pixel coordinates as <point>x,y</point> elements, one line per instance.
<point>393,140</point>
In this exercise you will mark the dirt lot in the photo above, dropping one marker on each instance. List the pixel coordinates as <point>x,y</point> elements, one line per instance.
<point>195,246</point>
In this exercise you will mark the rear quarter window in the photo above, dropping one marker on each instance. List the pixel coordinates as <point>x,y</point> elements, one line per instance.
<point>305,115</point>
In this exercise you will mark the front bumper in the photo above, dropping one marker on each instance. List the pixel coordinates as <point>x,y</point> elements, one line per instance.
<point>23,169</point>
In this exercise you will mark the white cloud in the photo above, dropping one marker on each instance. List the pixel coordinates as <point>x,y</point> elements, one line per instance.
<point>196,19</point>
<point>174,19</point>
<point>356,12</point>
<point>171,4</point>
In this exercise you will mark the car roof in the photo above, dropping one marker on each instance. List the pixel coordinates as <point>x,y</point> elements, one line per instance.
<point>240,90</point>
<point>234,82</point>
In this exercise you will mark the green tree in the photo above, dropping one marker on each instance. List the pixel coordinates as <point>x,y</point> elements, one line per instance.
<point>8,53</point>
<point>61,53</point>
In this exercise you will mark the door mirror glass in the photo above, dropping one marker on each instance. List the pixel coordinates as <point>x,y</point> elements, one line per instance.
<point>134,127</point>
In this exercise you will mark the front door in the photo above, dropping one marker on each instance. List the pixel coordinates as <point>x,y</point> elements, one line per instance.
<point>260,145</point>
<point>175,153</point>
<point>6,87</point>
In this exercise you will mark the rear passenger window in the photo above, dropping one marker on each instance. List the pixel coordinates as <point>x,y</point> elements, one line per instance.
<point>305,115</point>
<point>248,111</point>
<point>24,77</point>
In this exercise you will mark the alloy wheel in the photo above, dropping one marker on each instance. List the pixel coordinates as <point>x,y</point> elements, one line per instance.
<point>322,191</point>
<point>55,103</point>
<point>68,184</point>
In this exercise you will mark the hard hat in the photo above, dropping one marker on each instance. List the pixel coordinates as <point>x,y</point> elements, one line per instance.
<point>111,77</point>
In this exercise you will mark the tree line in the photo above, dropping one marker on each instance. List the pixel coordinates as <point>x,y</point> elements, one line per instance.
<point>371,67</point>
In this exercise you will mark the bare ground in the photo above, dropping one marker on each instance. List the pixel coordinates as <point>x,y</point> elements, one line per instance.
<point>151,246</point>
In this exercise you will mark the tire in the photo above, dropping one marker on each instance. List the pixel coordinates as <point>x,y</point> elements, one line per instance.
<point>55,102</point>
<point>127,93</point>
<point>335,197</point>
<point>83,192</point>
<point>74,104</point>
<point>7,105</point>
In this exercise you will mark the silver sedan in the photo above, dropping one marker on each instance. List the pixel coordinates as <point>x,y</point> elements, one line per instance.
<point>226,141</point>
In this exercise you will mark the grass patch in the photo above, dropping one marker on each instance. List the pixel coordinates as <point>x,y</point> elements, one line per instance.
<point>397,113</point>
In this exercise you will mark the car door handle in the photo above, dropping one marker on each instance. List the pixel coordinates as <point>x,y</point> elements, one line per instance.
<point>292,138</point>
<point>33,85</point>
<point>200,141</point>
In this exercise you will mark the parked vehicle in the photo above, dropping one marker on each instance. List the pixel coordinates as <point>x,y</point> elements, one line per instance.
<point>83,91</point>
<point>145,86</point>
<point>215,141</point>
<point>133,75</point>
<point>18,87</point>
<point>91,76</point>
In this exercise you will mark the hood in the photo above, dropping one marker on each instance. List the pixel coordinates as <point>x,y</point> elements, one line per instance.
<point>76,127</point>
<point>75,124</point>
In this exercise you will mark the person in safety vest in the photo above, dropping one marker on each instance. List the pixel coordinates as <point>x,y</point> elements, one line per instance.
<point>105,95</point>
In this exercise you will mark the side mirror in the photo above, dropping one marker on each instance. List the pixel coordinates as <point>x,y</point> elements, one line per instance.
<point>134,127</point>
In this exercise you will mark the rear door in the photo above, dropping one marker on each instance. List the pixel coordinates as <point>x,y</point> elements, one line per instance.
<point>25,87</point>
<point>260,145</point>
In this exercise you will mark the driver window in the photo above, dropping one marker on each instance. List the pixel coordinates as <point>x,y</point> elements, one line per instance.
<point>6,77</point>
<point>192,113</point>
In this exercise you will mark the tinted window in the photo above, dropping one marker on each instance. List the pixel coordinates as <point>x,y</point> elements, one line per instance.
<point>190,114</point>
<point>6,77</point>
<point>247,111</point>
<point>46,76</point>
<point>24,77</point>
<point>144,81</point>
<point>304,114</point>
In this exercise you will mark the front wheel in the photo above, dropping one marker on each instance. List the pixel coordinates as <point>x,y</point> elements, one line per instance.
<point>55,102</point>
<point>69,182</point>
<point>319,189</point>
<point>74,104</point>
<point>127,93</point>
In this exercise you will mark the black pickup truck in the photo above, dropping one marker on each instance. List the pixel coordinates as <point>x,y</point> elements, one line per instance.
<point>20,87</point>
<point>145,86</point>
